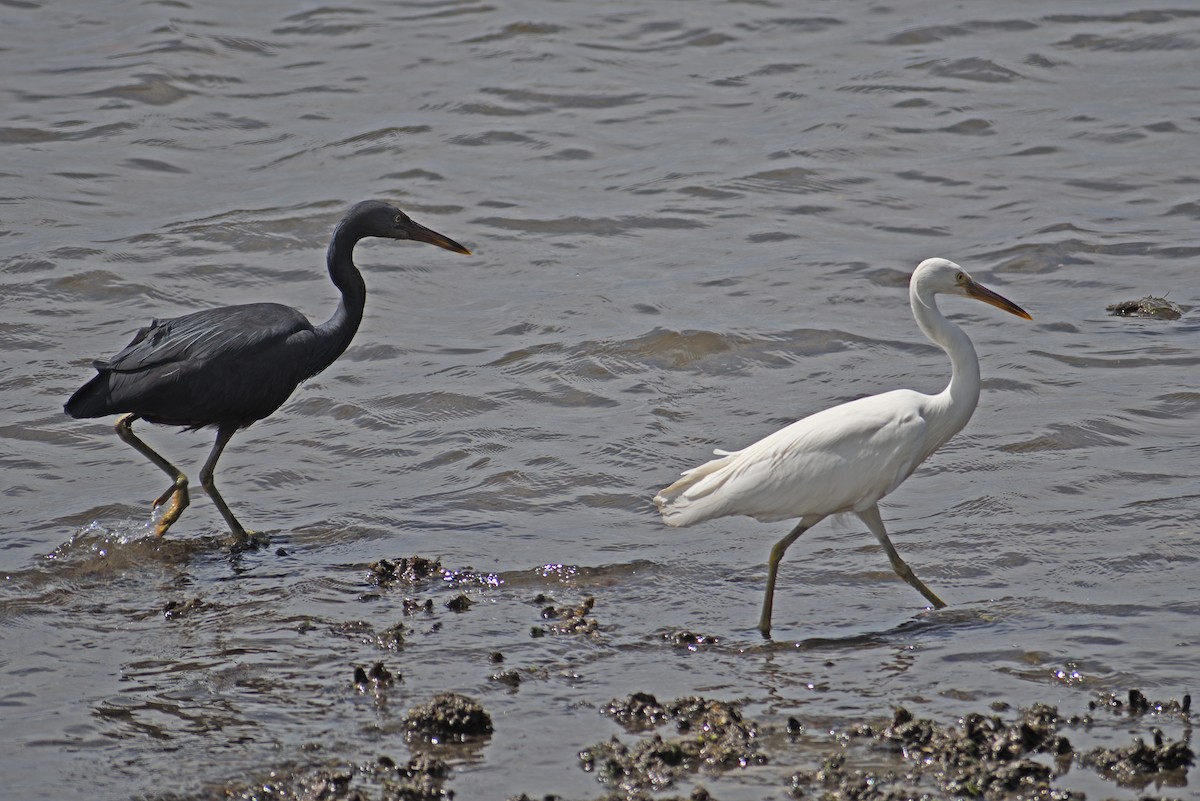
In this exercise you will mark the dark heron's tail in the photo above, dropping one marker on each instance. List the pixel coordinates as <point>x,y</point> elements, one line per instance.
<point>93,399</point>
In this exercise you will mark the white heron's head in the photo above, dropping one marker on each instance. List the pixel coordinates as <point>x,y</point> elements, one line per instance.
<point>944,277</point>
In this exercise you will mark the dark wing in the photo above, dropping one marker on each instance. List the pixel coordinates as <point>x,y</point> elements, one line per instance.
<point>235,364</point>
<point>203,336</point>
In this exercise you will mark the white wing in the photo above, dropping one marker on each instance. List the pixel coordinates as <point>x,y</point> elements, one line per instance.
<point>839,460</point>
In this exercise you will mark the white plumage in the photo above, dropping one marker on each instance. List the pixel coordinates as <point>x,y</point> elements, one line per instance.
<point>846,458</point>
<point>763,480</point>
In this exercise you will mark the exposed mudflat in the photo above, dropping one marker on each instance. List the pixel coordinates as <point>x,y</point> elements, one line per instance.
<point>688,746</point>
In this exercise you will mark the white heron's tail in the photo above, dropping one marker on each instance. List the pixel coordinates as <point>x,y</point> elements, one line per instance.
<point>694,496</point>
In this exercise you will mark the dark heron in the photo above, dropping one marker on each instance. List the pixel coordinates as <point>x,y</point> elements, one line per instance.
<point>232,366</point>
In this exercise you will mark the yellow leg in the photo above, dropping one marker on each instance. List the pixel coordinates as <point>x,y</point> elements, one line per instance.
<point>177,493</point>
<point>875,523</point>
<point>208,481</point>
<point>764,620</point>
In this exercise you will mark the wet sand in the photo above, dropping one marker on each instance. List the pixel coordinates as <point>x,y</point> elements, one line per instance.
<point>693,747</point>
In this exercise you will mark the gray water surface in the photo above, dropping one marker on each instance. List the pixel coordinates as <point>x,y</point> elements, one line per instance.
<point>693,223</point>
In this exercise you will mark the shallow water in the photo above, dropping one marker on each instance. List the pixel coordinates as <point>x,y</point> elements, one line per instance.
<point>693,223</point>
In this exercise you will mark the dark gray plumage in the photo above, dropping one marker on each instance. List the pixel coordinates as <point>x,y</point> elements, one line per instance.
<point>232,366</point>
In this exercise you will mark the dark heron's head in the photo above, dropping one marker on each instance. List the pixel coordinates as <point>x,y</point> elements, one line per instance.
<point>376,218</point>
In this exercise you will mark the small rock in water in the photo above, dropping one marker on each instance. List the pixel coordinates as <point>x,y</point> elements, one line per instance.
<point>376,678</point>
<point>569,621</point>
<point>1149,306</point>
<point>510,677</point>
<point>459,603</point>
<point>414,605</point>
<point>177,609</point>
<point>391,638</point>
<point>408,570</point>
<point>449,716</point>
<point>1135,762</point>
<point>690,639</point>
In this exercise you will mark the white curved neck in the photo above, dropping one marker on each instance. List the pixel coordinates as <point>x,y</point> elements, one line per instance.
<point>952,407</point>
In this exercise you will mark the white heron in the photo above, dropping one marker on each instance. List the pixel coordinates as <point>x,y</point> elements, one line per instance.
<point>845,459</point>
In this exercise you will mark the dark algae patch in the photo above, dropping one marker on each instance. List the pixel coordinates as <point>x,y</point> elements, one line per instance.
<point>906,758</point>
<point>1140,764</point>
<point>448,718</point>
<point>703,733</point>
<point>421,778</point>
<point>566,620</point>
<point>977,756</point>
<point>982,756</point>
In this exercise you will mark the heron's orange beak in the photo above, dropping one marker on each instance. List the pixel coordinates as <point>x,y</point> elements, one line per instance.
<point>981,292</point>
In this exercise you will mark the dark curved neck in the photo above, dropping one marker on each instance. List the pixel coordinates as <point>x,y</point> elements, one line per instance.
<point>334,335</point>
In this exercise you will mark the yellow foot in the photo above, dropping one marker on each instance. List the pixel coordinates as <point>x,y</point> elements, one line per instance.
<point>243,541</point>
<point>178,497</point>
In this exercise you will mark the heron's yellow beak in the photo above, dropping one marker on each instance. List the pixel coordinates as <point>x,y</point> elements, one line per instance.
<point>420,233</point>
<point>981,292</point>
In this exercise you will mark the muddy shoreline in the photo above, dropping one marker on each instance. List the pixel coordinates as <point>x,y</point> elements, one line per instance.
<point>674,748</point>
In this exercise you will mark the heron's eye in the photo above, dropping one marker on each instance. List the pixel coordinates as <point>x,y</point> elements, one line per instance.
<point>960,277</point>
<point>399,219</point>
